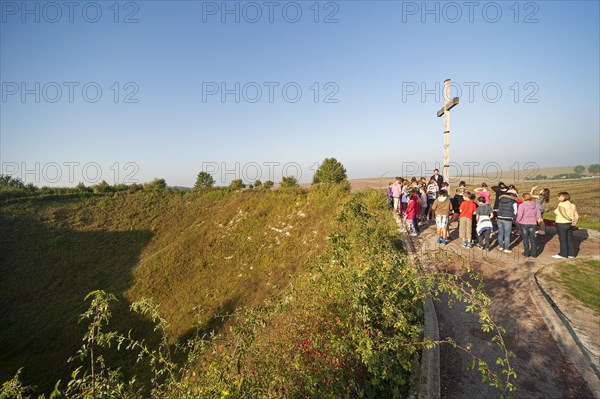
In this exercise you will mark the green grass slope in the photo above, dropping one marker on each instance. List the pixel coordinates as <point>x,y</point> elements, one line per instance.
<point>199,255</point>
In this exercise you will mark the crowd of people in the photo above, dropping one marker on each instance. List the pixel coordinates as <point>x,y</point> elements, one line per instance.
<point>418,202</point>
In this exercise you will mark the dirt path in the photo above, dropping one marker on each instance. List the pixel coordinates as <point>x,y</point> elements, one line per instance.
<point>542,369</point>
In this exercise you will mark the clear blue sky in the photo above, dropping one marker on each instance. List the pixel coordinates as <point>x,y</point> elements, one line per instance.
<point>370,61</point>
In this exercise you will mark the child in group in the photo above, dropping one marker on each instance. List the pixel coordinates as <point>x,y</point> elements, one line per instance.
<point>484,214</point>
<point>484,192</point>
<point>456,201</point>
<point>499,190</point>
<point>441,209</point>
<point>507,210</point>
<point>432,193</point>
<point>396,194</point>
<point>516,229</point>
<point>412,210</point>
<point>390,195</point>
<point>446,186</point>
<point>404,199</point>
<point>423,203</point>
<point>473,199</point>
<point>514,188</point>
<point>542,198</point>
<point>465,220</point>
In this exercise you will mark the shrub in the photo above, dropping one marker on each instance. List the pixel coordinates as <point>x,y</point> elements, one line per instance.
<point>268,184</point>
<point>204,180</point>
<point>134,187</point>
<point>330,171</point>
<point>257,183</point>
<point>102,187</point>
<point>566,176</point>
<point>81,187</point>
<point>11,183</point>
<point>236,184</point>
<point>288,182</point>
<point>156,184</point>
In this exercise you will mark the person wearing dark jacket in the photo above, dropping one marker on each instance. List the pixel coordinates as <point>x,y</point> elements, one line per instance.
<point>439,179</point>
<point>456,201</point>
<point>507,209</point>
<point>499,190</point>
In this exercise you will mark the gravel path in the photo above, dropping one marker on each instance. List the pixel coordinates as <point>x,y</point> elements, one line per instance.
<point>542,369</point>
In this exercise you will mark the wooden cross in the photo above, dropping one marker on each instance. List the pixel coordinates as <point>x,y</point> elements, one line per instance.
<point>445,110</point>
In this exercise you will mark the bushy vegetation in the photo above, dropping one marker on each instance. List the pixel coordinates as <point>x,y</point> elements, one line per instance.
<point>156,184</point>
<point>567,176</point>
<point>288,182</point>
<point>331,171</point>
<point>237,184</point>
<point>538,177</point>
<point>348,325</point>
<point>204,180</point>
<point>13,188</point>
<point>268,184</point>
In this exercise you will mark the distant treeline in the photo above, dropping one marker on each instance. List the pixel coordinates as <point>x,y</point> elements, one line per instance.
<point>13,187</point>
<point>593,170</point>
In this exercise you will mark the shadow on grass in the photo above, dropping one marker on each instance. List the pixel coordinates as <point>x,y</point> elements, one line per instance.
<point>45,273</point>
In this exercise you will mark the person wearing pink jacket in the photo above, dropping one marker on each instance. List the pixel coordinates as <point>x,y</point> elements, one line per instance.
<point>528,214</point>
<point>396,194</point>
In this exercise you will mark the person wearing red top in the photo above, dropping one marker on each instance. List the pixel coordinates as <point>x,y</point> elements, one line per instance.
<point>465,220</point>
<point>412,210</point>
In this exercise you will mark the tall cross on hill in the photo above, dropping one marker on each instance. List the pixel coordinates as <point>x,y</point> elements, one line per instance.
<point>445,111</point>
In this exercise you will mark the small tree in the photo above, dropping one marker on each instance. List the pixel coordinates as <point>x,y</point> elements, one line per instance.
<point>9,182</point>
<point>156,184</point>
<point>102,187</point>
<point>579,169</point>
<point>204,180</point>
<point>257,183</point>
<point>81,187</point>
<point>330,171</point>
<point>237,184</point>
<point>594,169</point>
<point>288,181</point>
<point>268,184</point>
